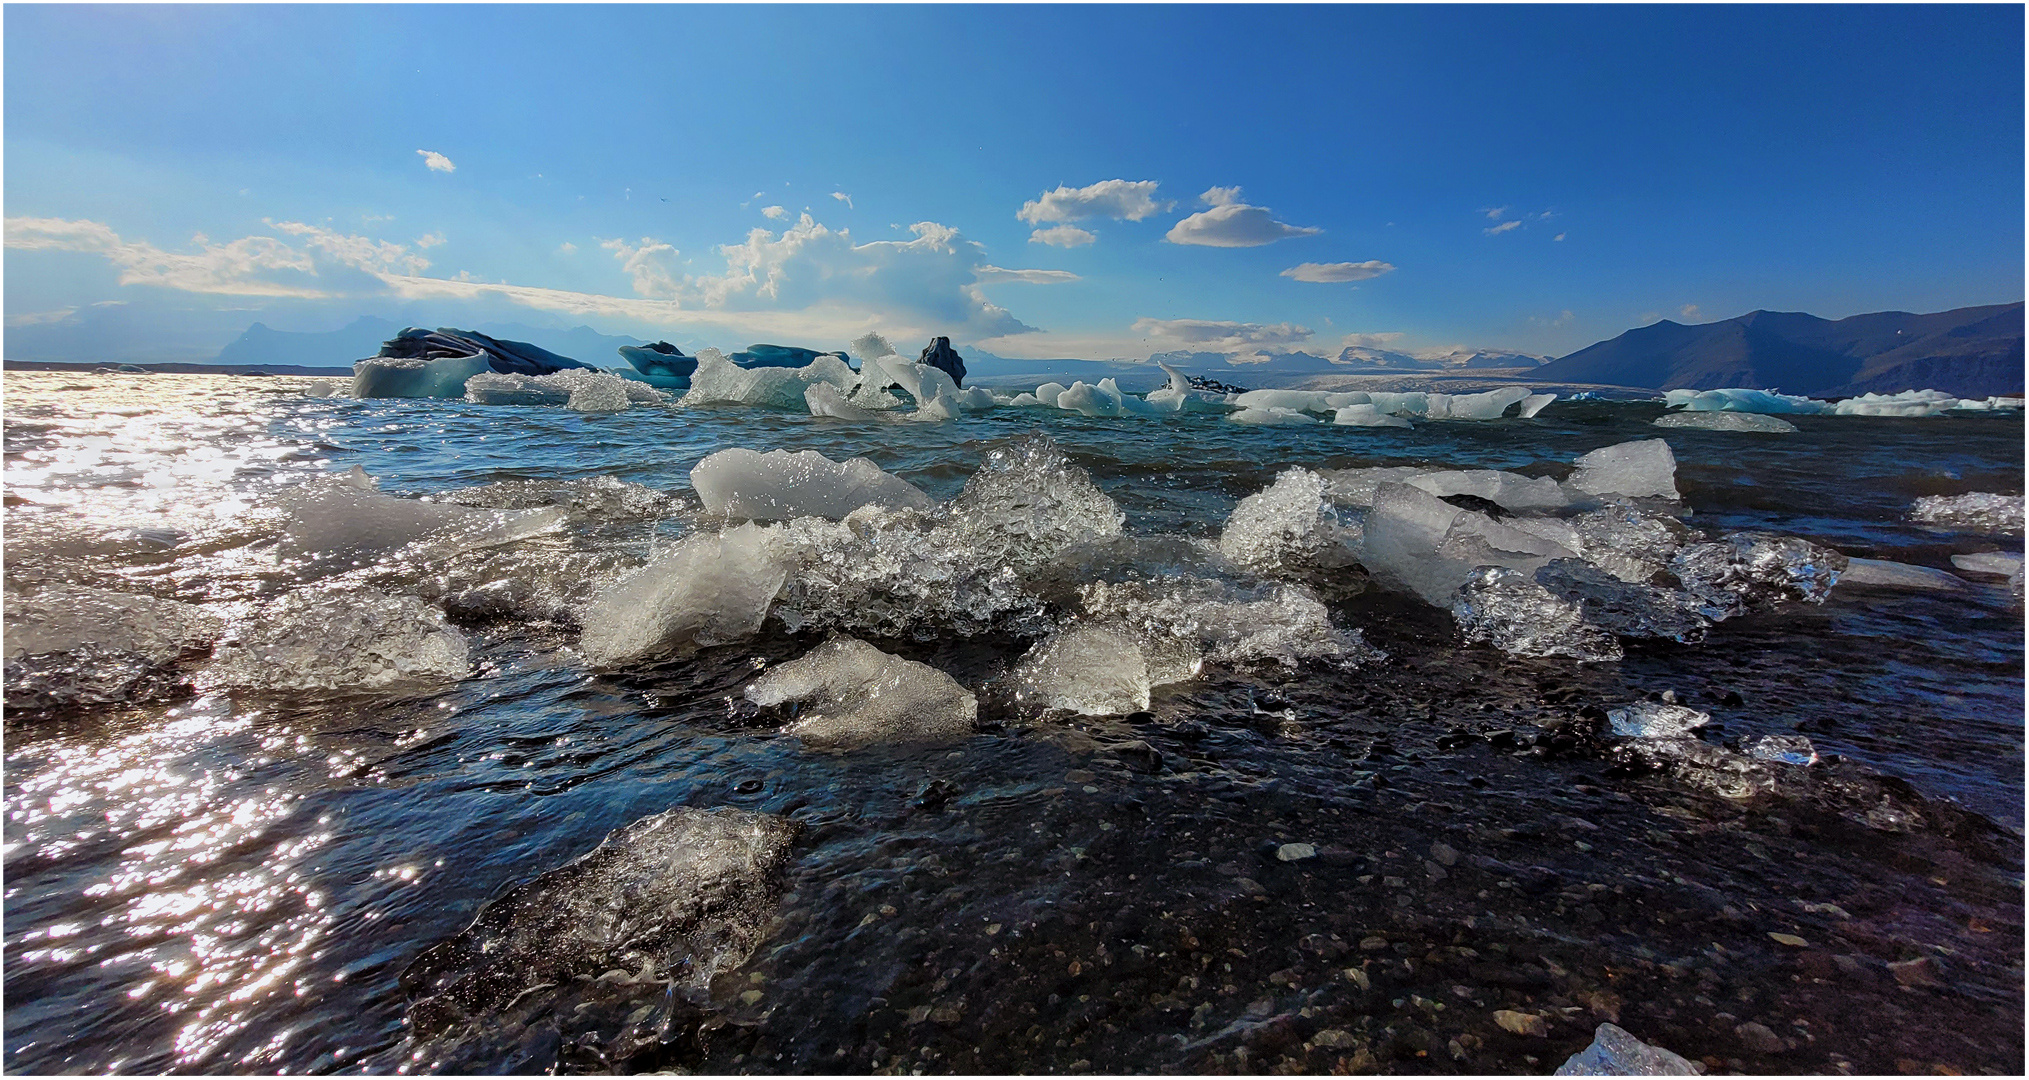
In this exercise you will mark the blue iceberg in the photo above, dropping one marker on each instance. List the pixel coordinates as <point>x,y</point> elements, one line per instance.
<point>419,363</point>
<point>659,364</point>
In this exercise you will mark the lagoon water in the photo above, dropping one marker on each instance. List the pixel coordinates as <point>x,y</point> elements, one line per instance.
<point>1425,856</point>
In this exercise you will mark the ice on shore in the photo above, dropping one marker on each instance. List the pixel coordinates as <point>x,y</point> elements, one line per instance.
<point>1895,575</point>
<point>710,589</point>
<point>1184,618</point>
<point>1726,421</point>
<point>579,389</point>
<point>1977,511</point>
<point>1655,720</point>
<point>779,485</point>
<point>1511,611</point>
<point>357,639</point>
<point>344,521</point>
<point>1998,563</point>
<point>1783,749</point>
<point>1614,1052</point>
<point>1417,542</point>
<point>719,381</point>
<point>1641,469</point>
<point>850,695</point>
<point>1627,541</point>
<point>1093,670</point>
<point>1287,526</point>
<point>1746,570</point>
<point>69,645</point>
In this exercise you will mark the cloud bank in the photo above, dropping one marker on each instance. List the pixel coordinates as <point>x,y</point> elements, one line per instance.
<point>1340,271</point>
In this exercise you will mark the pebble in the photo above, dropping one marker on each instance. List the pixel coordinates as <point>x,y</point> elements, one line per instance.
<point>1791,940</point>
<point>1758,1038</point>
<point>1294,852</point>
<point>1080,776</point>
<point>1444,854</point>
<point>1922,971</point>
<point>1521,1023</point>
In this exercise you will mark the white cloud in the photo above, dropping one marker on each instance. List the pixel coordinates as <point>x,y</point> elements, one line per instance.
<point>252,266</point>
<point>437,162</point>
<point>357,252</point>
<point>989,275</point>
<point>1243,343</point>
<point>1543,215</point>
<point>1063,236</point>
<point>1494,213</point>
<point>651,265</point>
<point>774,213</point>
<point>1559,236</point>
<point>1502,227</point>
<point>429,240</point>
<point>844,198</point>
<point>1563,319</point>
<point>1690,311</point>
<point>1232,223</point>
<point>1379,340</point>
<point>1340,271</point>
<point>566,247</point>
<point>1121,200</point>
<point>38,318</point>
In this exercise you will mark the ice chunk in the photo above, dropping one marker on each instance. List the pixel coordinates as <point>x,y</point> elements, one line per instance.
<point>1355,487</point>
<point>720,381</point>
<point>79,646</point>
<point>608,957</point>
<point>1291,400</point>
<point>1283,623</point>
<point>1367,415</point>
<point>1509,610</point>
<point>1272,416</point>
<point>1895,575</point>
<point>581,389</point>
<point>853,695</point>
<point>1746,570</point>
<point>1534,403</point>
<point>710,589</point>
<point>415,377</point>
<point>1484,406</point>
<point>1086,399</point>
<point>1614,1052</point>
<point>1786,749</point>
<point>1416,542</point>
<point>1511,491</point>
<point>361,639</point>
<point>1626,608</point>
<point>1735,399</point>
<point>1641,469</point>
<point>1630,543</point>
<point>1049,392</point>
<point>320,388</point>
<point>1977,511</point>
<point>1094,670</point>
<point>1906,403</point>
<point>1655,720</point>
<point>2000,563</point>
<point>1180,396</point>
<point>1411,403</point>
<point>340,522</point>
<point>825,399</point>
<point>1286,526</point>
<point>1726,421</point>
<point>779,485</point>
<point>1988,404</point>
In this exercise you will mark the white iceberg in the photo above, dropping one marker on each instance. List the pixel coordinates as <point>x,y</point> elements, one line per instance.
<point>779,485</point>
<point>1272,416</point>
<point>416,377</point>
<point>580,389</point>
<point>1367,414</point>
<point>1641,469</point>
<point>853,695</point>
<point>1726,421</point>
<point>1895,575</point>
<point>719,381</point>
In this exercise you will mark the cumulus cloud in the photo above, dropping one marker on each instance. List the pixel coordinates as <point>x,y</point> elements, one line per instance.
<point>650,264</point>
<point>429,240</point>
<point>774,213</point>
<point>566,248</point>
<point>1380,340</point>
<point>1339,271</point>
<point>1243,343</point>
<point>1560,321</point>
<point>844,198</point>
<point>436,162</point>
<point>1504,226</point>
<point>1121,200</point>
<point>357,252</point>
<point>1559,236</point>
<point>1063,236</point>
<point>1690,311</point>
<point>1232,223</point>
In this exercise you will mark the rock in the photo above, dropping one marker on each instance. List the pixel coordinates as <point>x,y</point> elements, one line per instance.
<point>1614,1052</point>
<point>1294,852</point>
<point>1790,940</point>
<point>1758,1038</point>
<point>1444,853</point>
<point>939,354</point>
<point>1922,971</point>
<point>1521,1023</point>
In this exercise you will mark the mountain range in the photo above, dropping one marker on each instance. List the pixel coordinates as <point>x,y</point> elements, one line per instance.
<point>1970,352</point>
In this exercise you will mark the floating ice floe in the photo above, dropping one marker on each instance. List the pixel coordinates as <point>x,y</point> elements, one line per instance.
<point>344,521</point>
<point>418,363</point>
<point>779,485</point>
<point>1998,563</point>
<point>1614,1052</point>
<point>606,957</point>
<point>1784,750</point>
<point>1272,416</point>
<point>1977,511</point>
<point>1895,575</point>
<point>852,695</point>
<point>1726,421</point>
<point>81,646</point>
<point>581,390</point>
<point>1367,415</point>
<point>719,381</point>
<point>359,639</point>
<point>710,589</point>
<point>1905,403</point>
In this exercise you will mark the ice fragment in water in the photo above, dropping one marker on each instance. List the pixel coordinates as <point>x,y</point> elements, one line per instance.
<point>1614,1052</point>
<point>1641,469</point>
<point>580,389</point>
<point>1228,623</point>
<point>1367,414</point>
<point>1534,403</point>
<point>825,399</point>
<point>1656,720</point>
<point>416,377</point>
<point>1511,491</point>
<point>853,695</point>
<point>362,639</point>
<point>338,522</point>
<point>1726,421</point>
<point>604,958</point>
<point>1787,749</point>
<point>1628,542</point>
<point>1416,542</point>
<point>1272,417</point>
<point>1509,610</point>
<point>2000,563</point>
<point>710,589</point>
<point>1356,487</point>
<point>719,381</point>
<point>779,485</point>
<point>1977,511</point>
<point>1734,399</point>
<point>81,646</point>
<point>1626,608</point>
<point>1746,570</point>
<point>1895,575</point>
<point>1094,670</point>
<point>1286,526</point>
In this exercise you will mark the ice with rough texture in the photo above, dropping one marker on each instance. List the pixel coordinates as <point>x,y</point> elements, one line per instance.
<point>1895,575</point>
<point>1905,403</point>
<point>1356,487</point>
<point>1655,720</point>
<point>360,639</point>
<point>1784,749</point>
<point>710,589</point>
<point>851,695</point>
<point>1977,511</point>
<point>1641,469</point>
<point>1510,491</point>
<point>1489,405</point>
<point>1218,620</point>
<point>1272,416</point>
<point>598,961</point>
<point>1511,611</point>
<point>1626,608</point>
<point>719,381</point>
<point>1614,1052</point>
<point>1746,570</point>
<point>779,485</point>
<point>416,377</point>
<point>1628,542</point>
<point>579,389</point>
<point>1736,399</point>
<point>1999,563</point>
<point>1726,421</point>
<point>68,645</point>
<point>1367,414</point>
<point>825,399</point>
<point>1416,542</point>
<point>345,521</point>
<point>1093,670</point>
<point>1534,404</point>
<point>1288,525</point>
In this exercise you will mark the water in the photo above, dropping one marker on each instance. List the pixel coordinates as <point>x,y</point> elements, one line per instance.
<point>227,880</point>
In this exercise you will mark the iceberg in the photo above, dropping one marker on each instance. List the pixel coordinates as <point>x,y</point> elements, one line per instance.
<point>1977,511</point>
<point>361,639</point>
<point>1735,399</point>
<point>1367,414</point>
<point>852,695</point>
<point>1179,395</point>
<point>1641,469</point>
<point>436,363</point>
<point>1726,421</point>
<point>1271,416</point>
<point>581,390</point>
<point>779,485</point>
<point>710,589</point>
<point>660,364</point>
<point>719,381</point>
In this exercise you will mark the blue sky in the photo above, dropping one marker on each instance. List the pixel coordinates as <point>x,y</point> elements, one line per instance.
<point>1042,181</point>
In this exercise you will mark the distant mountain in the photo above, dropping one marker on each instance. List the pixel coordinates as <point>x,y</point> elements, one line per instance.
<point>1359,360</point>
<point>1971,352</point>
<point>362,337</point>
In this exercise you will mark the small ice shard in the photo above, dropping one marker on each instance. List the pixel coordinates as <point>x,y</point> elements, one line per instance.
<point>1286,526</point>
<point>1366,414</point>
<point>1628,542</point>
<point>1726,421</point>
<point>1787,749</point>
<point>1509,610</point>
<point>1641,469</point>
<point>1614,1052</point>
<point>605,958</point>
<point>825,399</point>
<point>852,695</point>
<point>719,381</point>
<point>1655,720</point>
<point>1625,608</point>
<point>1746,570</point>
<point>1977,511</point>
<point>1999,563</point>
<point>1093,670</point>
<point>1272,416</point>
<point>710,589</point>
<point>779,485</point>
<point>80,646</point>
<point>1895,575</point>
<point>363,639</point>
<point>344,521</point>
<point>1283,623</point>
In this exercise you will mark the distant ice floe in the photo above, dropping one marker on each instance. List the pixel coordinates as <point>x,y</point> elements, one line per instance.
<point>1905,403</point>
<point>577,389</point>
<point>1977,511</point>
<point>852,695</point>
<point>1726,421</point>
<point>779,485</point>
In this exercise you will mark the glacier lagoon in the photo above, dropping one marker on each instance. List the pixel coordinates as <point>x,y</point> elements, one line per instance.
<point>414,735</point>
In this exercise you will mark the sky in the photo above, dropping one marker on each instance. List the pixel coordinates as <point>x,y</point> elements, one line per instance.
<point>1095,182</point>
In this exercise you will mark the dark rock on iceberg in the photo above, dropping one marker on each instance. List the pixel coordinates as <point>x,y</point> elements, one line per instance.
<point>940,355</point>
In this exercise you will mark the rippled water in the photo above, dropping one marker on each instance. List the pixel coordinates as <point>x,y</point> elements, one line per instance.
<point>227,879</point>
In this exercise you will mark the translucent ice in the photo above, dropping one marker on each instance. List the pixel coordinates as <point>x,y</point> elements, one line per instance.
<point>1511,491</point>
<point>1272,416</point>
<point>720,381</point>
<point>1179,396</point>
<point>1895,575</point>
<point>1746,570</point>
<point>1356,487</point>
<point>2000,563</point>
<point>1726,421</point>
<point>1786,749</point>
<point>1628,542</point>
<point>1977,511</point>
<point>343,521</point>
<point>1288,525</point>
<point>1534,403</point>
<point>1655,720</point>
<point>360,639</point>
<point>1614,1052</point>
<point>1416,542</point>
<point>1626,608</point>
<point>1366,414</point>
<point>80,646</point>
<point>710,589</point>
<point>1094,670</point>
<point>1485,406</point>
<point>1509,610</point>
<point>416,377</point>
<point>1735,399</point>
<point>825,399</point>
<point>580,389</point>
<point>1224,622</point>
<point>779,485</point>
<point>851,695</point>
<point>1641,469</point>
